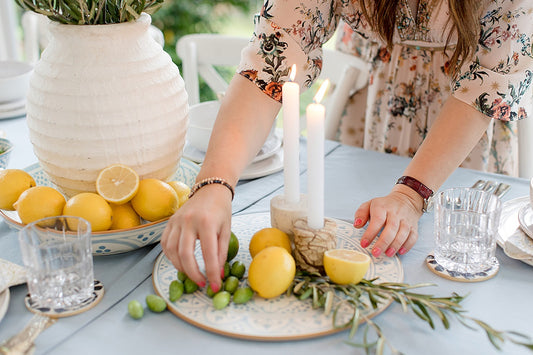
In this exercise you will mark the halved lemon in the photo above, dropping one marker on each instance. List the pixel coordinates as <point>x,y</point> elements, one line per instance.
<point>344,266</point>
<point>117,183</point>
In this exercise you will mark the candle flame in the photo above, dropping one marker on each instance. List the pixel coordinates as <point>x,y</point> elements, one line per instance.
<point>321,91</point>
<point>293,72</point>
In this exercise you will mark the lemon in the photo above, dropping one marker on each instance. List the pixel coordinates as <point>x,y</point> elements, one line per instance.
<point>117,183</point>
<point>345,266</point>
<point>92,207</point>
<point>268,237</point>
<point>182,190</point>
<point>124,216</point>
<point>39,202</point>
<point>13,182</point>
<point>155,200</point>
<point>271,272</point>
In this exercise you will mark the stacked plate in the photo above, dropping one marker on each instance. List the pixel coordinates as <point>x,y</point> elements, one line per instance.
<point>515,233</point>
<point>268,160</point>
<point>14,84</point>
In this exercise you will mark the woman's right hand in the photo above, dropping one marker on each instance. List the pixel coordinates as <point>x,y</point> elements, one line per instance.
<point>206,217</point>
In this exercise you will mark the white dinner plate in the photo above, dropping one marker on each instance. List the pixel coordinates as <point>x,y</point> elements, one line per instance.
<point>264,167</point>
<point>511,238</point>
<point>271,147</point>
<point>21,111</point>
<point>281,318</point>
<point>12,105</point>
<point>4,303</point>
<point>525,218</point>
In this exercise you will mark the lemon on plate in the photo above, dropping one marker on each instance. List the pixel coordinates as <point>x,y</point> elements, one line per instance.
<point>13,182</point>
<point>182,190</point>
<point>155,200</point>
<point>39,202</point>
<point>92,207</point>
<point>344,266</point>
<point>124,216</point>
<point>117,183</point>
<point>268,237</point>
<point>271,272</point>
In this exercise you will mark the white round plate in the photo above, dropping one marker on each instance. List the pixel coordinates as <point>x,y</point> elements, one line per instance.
<point>281,318</point>
<point>271,147</point>
<point>21,111</point>
<point>4,303</point>
<point>525,218</point>
<point>511,238</point>
<point>264,167</point>
<point>12,105</point>
<point>121,240</point>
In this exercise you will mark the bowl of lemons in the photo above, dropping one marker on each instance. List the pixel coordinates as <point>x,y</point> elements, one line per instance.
<point>125,212</point>
<point>5,152</point>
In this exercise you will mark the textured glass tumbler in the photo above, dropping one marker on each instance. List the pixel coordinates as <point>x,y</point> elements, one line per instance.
<point>466,223</point>
<point>57,253</point>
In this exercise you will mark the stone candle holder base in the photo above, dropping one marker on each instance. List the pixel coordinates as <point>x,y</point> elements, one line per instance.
<point>310,244</point>
<point>283,214</point>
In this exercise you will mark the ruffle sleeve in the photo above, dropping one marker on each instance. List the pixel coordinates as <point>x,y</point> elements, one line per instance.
<point>286,33</point>
<point>497,82</point>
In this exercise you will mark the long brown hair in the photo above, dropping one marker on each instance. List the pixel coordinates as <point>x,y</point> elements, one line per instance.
<point>464,18</point>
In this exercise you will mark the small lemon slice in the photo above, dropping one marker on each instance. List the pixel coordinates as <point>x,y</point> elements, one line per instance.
<point>117,183</point>
<point>344,266</point>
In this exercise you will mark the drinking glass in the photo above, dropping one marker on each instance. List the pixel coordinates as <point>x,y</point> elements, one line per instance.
<point>466,223</point>
<point>58,256</point>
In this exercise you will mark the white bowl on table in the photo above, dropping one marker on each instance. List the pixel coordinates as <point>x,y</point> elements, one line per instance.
<point>5,152</point>
<point>202,117</point>
<point>14,80</point>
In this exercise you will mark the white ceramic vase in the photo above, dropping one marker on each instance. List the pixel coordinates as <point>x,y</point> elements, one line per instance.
<point>101,95</point>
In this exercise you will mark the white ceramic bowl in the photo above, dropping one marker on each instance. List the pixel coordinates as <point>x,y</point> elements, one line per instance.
<point>114,241</point>
<point>202,117</point>
<point>14,80</point>
<point>5,152</point>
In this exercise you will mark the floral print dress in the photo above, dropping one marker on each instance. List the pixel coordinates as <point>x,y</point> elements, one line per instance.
<point>409,83</point>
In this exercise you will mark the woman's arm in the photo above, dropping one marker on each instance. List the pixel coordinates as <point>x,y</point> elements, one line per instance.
<point>244,120</point>
<point>454,134</point>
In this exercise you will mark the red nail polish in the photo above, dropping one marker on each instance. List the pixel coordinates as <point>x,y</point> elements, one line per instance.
<point>376,252</point>
<point>364,243</point>
<point>222,273</point>
<point>201,284</point>
<point>357,222</point>
<point>390,252</point>
<point>402,251</point>
<point>215,288</point>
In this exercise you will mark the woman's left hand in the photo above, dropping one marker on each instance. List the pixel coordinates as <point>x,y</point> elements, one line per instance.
<point>395,216</point>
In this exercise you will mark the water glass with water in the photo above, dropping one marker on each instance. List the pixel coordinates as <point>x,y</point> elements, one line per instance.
<point>57,253</point>
<point>466,223</point>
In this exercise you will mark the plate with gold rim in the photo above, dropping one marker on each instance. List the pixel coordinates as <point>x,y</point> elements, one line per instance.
<point>120,240</point>
<point>281,318</point>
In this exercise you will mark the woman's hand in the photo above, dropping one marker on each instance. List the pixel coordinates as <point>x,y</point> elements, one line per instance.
<point>207,217</point>
<point>396,216</point>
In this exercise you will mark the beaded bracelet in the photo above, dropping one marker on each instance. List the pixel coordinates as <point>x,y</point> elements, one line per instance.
<point>209,181</point>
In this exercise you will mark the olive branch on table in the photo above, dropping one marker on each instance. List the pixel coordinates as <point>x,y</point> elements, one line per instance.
<point>368,294</point>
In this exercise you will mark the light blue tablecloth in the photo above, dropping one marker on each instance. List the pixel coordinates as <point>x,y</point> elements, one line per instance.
<point>352,177</point>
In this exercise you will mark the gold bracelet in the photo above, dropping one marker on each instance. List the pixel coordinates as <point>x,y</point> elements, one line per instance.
<point>209,181</point>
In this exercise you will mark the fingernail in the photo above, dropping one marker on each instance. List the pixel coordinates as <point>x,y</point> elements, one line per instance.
<point>390,252</point>
<point>201,284</point>
<point>376,252</point>
<point>402,251</point>
<point>364,243</point>
<point>357,222</point>
<point>215,287</point>
<point>222,273</point>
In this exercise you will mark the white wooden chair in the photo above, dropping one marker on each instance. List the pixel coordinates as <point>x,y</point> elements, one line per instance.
<point>200,54</point>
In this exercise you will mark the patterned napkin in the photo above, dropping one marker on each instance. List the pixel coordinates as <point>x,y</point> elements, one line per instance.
<point>519,246</point>
<point>11,274</point>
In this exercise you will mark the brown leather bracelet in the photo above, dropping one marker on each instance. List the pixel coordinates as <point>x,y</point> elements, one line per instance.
<point>420,188</point>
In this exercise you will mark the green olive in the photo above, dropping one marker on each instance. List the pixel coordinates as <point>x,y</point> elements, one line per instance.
<point>237,269</point>
<point>182,276</point>
<point>221,299</point>
<point>175,290</point>
<point>242,295</point>
<point>231,284</point>
<point>135,309</point>
<point>190,286</point>
<point>156,303</point>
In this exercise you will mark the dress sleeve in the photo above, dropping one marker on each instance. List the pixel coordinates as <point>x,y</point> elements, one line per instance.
<point>288,32</point>
<point>497,82</point>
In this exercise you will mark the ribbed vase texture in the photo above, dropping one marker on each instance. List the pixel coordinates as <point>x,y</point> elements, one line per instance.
<point>102,95</point>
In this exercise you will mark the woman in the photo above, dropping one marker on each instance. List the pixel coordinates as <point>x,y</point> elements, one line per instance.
<point>488,69</point>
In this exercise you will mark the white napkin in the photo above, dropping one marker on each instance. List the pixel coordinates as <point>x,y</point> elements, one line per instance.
<point>11,274</point>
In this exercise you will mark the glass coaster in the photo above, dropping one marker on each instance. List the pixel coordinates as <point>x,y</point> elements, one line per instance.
<point>89,303</point>
<point>460,276</point>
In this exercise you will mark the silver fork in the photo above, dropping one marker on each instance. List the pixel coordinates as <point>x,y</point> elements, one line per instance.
<point>499,189</point>
<point>22,342</point>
